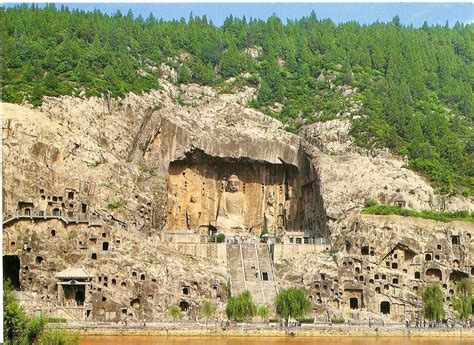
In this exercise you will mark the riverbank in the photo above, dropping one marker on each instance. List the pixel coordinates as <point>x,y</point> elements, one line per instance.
<point>335,331</point>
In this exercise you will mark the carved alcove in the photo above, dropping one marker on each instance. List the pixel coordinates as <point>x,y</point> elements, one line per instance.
<point>272,193</point>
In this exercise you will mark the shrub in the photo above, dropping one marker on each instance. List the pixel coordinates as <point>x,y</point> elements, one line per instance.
<point>220,238</point>
<point>337,319</point>
<point>114,205</point>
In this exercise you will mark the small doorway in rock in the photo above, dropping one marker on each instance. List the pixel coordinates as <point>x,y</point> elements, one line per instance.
<point>79,297</point>
<point>385,307</point>
<point>354,303</point>
<point>184,306</point>
<point>264,276</point>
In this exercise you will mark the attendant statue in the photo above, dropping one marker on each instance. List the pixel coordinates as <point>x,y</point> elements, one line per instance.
<point>232,206</point>
<point>174,210</point>
<point>270,211</point>
<point>289,210</point>
<point>193,214</point>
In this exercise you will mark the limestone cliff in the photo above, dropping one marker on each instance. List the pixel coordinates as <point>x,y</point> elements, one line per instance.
<point>129,190</point>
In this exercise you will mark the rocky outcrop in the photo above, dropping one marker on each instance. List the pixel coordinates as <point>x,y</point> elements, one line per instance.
<point>350,176</point>
<point>129,190</point>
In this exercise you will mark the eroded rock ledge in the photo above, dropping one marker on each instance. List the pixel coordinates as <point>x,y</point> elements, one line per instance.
<point>128,190</point>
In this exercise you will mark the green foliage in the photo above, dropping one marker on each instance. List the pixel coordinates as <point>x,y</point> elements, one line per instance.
<point>337,319</point>
<point>399,211</point>
<point>207,309</point>
<point>432,296</point>
<point>58,337</point>
<point>263,312</point>
<point>414,84</point>
<point>240,307</point>
<point>264,232</point>
<point>15,320</point>
<point>220,238</point>
<point>19,329</point>
<point>114,205</point>
<point>292,303</point>
<point>370,203</point>
<point>463,299</point>
<point>174,311</point>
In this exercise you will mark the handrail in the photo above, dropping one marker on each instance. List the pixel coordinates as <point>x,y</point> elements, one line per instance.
<point>273,271</point>
<point>242,264</point>
<point>259,272</point>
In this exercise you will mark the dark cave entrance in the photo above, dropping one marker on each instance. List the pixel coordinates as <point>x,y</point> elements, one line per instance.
<point>385,307</point>
<point>354,303</point>
<point>11,270</point>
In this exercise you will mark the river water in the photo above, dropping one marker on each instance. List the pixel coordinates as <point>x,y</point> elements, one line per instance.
<point>151,340</point>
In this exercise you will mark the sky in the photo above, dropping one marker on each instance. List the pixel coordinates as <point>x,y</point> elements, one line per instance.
<point>364,13</point>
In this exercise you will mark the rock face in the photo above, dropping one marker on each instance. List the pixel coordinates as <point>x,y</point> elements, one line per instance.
<point>350,176</point>
<point>108,206</point>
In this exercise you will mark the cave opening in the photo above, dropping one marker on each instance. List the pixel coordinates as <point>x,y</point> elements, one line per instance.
<point>385,307</point>
<point>11,270</point>
<point>434,274</point>
<point>354,303</point>
<point>184,306</point>
<point>456,276</point>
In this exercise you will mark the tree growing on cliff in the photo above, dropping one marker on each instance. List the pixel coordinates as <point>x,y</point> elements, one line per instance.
<point>240,307</point>
<point>292,303</point>
<point>207,310</point>
<point>432,296</point>
<point>463,299</point>
<point>263,312</point>
<point>174,312</point>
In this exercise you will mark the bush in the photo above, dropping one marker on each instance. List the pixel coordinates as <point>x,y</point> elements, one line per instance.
<point>220,238</point>
<point>337,319</point>
<point>174,311</point>
<point>397,210</point>
<point>58,337</point>
<point>114,205</point>
<point>20,329</point>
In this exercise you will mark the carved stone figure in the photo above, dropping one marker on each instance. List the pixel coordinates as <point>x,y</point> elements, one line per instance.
<point>174,209</point>
<point>193,214</point>
<point>289,210</point>
<point>232,206</point>
<point>270,211</point>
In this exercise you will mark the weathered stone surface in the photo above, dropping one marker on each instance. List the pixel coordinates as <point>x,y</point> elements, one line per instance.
<point>129,189</point>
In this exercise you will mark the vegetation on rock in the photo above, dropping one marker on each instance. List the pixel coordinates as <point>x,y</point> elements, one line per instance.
<point>377,209</point>
<point>408,89</point>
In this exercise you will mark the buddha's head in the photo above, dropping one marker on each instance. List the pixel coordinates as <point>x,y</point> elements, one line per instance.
<point>233,183</point>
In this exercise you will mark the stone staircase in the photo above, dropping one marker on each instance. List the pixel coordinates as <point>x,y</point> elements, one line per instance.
<point>251,269</point>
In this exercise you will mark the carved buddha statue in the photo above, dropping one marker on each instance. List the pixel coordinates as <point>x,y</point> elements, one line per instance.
<point>232,206</point>
<point>193,214</point>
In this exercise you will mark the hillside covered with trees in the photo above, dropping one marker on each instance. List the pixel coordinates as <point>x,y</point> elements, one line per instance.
<point>414,85</point>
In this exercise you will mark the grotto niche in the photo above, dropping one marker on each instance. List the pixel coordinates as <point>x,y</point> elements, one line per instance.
<point>236,196</point>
